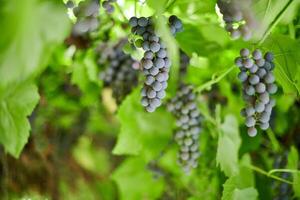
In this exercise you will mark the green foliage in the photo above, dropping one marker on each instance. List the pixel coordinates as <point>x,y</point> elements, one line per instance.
<point>228,144</point>
<point>287,62</point>
<point>136,182</point>
<point>15,107</point>
<point>25,47</point>
<point>82,145</point>
<point>141,131</point>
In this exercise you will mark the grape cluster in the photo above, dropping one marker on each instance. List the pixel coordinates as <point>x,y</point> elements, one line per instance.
<point>122,72</point>
<point>238,18</point>
<point>258,84</point>
<point>188,121</point>
<point>155,63</point>
<point>107,5</point>
<point>175,24</point>
<point>87,13</point>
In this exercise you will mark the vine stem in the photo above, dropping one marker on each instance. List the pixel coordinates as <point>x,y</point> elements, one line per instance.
<point>275,22</point>
<point>292,171</point>
<point>215,79</point>
<point>268,174</point>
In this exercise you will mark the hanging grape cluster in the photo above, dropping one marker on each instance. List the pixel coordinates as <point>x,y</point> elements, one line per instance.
<point>87,13</point>
<point>155,63</point>
<point>107,5</point>
<point>258,84</point>
<point>238,17</point>
<point>188,121</point>
<point>122,72</point>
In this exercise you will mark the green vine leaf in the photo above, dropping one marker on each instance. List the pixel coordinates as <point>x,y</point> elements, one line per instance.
<point>141,132</point>
<point>229,144</point>
<point>287,61</point>
<point>135,182</point>
<point>14,110</point>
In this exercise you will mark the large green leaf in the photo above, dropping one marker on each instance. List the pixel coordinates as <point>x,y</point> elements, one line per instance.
<point>14,109</point>
<point>30,29</point>
<point>287,60</point>
<point>136,182</point>
<point>245,194</point>
<point>195,40</point>
<point>269,13</point>
<point>232,191</point>
<point>141,131</point>
<point>228,146</point>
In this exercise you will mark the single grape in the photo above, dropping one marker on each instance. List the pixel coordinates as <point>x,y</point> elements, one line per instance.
<point>264,126</point>
<point>245,53</point>
<point>248,63</point>
<point>260,88</point>
<point>243,76</point>
<point>269,56</point>
<point>257,55</point>
<point>239,62</point>
<point>143,21</point>
<point>250,121</point>
<point>272,88</point>
<point>252,131</point>
<point>254,79</point>
<point>259,107</point>
<point>154,47</point>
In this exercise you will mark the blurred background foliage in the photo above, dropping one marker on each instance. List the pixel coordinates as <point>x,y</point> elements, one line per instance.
<point>63,136</point>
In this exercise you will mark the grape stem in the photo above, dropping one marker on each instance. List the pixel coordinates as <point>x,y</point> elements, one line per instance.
<point>268,174</point>
<point>275,22</point>
<point>292,171</point>
<point>215,79</point>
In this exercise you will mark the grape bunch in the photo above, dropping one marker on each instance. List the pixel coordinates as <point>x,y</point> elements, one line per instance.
<point>188,121</point>
<point>175,24</point>
<point>107,5</point>
<point>121,73</point>
<point>256,75</point>
<point>238,17</point>
<point>155,63</point>
<point>87,13</point>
